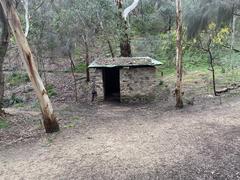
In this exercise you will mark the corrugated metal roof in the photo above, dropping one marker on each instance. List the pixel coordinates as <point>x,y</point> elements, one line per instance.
<point>124,62</point>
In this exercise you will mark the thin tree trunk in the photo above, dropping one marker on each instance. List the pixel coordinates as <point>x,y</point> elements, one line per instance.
<point>213,77</point>
<point>3,49</point>
<point>110,48</point>
<point>233,37</point>
<point>49,119</point>
<point>211,62</point>
<point>106,37</point>
<point>86,57</point>
<point>73,74</point>
<point>25,2</point>
<point>125,47</point>
<point>130,9</point>
<point>43,71</point>
<point>179,54</point>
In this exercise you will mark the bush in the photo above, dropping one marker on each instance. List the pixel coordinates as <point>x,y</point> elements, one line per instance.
<point>80,68</point>
<point>18,78</point>
<point>51,90</point>
<point>3,123</point>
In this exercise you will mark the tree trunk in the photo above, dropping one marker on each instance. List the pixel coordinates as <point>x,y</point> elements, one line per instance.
<point>213,77</point>
<point>85,39</point>
<point>110,48</point>
<point>49,119</point>
<point>125,46</point>
<point>3,49</point>
<point>73,74</point>
<point>211,62</point>
<point>179,54</point>
<point>233,37</point>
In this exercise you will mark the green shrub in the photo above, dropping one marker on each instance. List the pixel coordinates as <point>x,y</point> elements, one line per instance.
<point>51,90</point>
<point>15,99</point>
<point>3,123</point>
<point>18,78</point>
<point>80,68</point>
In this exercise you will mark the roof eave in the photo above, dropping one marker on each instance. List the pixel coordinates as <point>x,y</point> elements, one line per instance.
<point>112,66</point>
<point>153,63</point>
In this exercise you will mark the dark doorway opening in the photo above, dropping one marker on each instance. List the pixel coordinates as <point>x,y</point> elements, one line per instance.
<point>111,83</point>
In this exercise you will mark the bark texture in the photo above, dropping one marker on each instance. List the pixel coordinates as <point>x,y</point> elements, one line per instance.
<point>211,62</point>
<point>179,54</point>
<point>3,49</point>
<point>49,119</point>
<point>125,46</point>
<point>85,39</point>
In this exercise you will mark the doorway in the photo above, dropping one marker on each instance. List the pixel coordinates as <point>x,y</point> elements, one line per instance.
<point>111,82</point>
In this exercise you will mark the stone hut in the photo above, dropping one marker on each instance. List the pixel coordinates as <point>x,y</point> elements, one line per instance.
<point>124,79</point>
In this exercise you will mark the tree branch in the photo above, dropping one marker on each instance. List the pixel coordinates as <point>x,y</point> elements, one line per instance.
<point>25,4</point>
<point>130,9</point>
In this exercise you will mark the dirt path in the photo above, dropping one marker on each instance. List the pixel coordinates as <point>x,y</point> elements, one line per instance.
<point>136,142</point>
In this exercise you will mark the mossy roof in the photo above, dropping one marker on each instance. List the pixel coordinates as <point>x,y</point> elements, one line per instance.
<point>124,62</point>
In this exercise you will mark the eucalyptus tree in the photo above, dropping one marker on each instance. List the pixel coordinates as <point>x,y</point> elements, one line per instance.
<point>179,54</point>
<point>42,36</point>
<point>4,35</point>
<point>49,119</point>
<point>106,14</point>
<point>200,18</point>
<point>125,46</point>
<point>76,24</point>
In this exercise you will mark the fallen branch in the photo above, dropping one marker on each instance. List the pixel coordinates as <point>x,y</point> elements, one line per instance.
<point>224,90</point>
<point>228,47</point>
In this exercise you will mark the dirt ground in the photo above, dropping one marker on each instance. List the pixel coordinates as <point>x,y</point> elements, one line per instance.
<point>114,141</point>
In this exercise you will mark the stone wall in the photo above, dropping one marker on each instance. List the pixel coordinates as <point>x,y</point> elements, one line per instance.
<point>97,83</point>
<point>138,84</point>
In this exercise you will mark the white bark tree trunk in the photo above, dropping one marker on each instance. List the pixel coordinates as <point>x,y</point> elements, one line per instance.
<point>233,39</point>
<point>25,4</point>
<point>179,54</point>
<point>130,9</point>
<point>125,44</point>
<point>4,36</point>
<point>49,119</point>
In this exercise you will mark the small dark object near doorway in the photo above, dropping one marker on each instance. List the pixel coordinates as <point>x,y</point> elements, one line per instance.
<point>111,83</point>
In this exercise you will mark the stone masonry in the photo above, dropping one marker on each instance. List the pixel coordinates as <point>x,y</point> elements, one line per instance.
<point>137,84</point>
<point>97,83</point>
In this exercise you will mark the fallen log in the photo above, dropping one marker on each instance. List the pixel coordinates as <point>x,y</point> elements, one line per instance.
<point>227,89</point>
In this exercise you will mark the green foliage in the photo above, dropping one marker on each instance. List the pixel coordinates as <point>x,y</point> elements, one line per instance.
<point>80,68</point>
<point>15,99</point>
<point>3,123</point>
<point>199,14</point>
<point>153,18</point>
<point>166,52</point>
<point>51,90</point>
<point>148,25</point>
<point>18,78</point>
<point>77,53</point>
<point>195,60</point>
<point>19,105</point>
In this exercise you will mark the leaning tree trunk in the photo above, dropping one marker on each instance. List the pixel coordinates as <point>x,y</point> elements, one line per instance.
<point>179,54</point>
<point>3,49</point>
<point>49,119</point>
<point>125,46</point>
